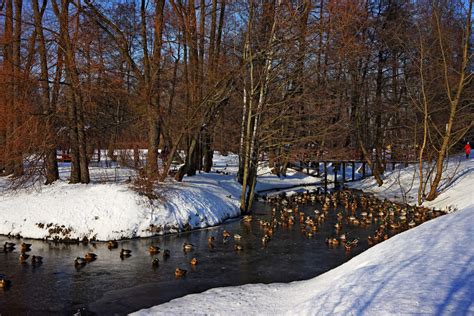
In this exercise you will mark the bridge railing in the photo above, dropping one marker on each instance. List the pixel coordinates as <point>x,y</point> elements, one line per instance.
<point>321,168</point>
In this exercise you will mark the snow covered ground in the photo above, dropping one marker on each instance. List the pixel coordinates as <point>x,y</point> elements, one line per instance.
<point>426,270</point>
<point>402,185</point>
<point>108,208</point>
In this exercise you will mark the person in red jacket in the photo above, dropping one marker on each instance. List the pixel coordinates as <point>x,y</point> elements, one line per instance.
<point>467,149</point>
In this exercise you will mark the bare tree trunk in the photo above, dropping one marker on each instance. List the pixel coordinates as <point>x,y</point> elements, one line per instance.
<point>244,157</point>
<point>48,109</point>
<point>9,65</point>
<point>79,159</point>
<point>453,102</point>
<point>421,187</point>
<point>253,143</point>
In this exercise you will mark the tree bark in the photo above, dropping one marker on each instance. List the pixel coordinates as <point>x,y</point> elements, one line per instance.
<point>453,102</point>
<point>48,108</point>
<point>79,159</point>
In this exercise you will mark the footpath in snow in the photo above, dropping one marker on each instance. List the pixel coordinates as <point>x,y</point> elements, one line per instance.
<point>426,270</point>
<point>108,208</point>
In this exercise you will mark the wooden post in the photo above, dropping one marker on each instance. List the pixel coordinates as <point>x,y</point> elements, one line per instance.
<point>393,166</point>
<point>363,170</point>
<point>343,172</point>
<point>335,166</point>
<point>325,177</point>
<point>353,170</point>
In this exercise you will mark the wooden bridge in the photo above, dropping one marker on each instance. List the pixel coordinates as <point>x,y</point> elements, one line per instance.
<point>313,168</point>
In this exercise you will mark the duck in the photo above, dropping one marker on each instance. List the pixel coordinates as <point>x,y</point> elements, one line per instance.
<point>225,234</point>
<point>79,262</point>
<point>301,217</point>
<point>247,218</point>
<point>194,261</point>
<point>25,247</point>
<point>238,248</point>
<point>166,253</point>
<point>237,237</point>
<point>23,257</point>
<point>153,250</point>
<point>343,237</point>
<point>155,262</point>
<point>370,241</point>
<point>187,246</point>
<point>112,244</point>
<point>265,239</point>
<point>351,244</point>
<point>210,240</point>
<point>125,253</point>
<point>394,226</point>
<point>8,246</point>
<point>4,282</point>
<point>36,260</point>
<point>270,232</point>
<point>332,241</point>
<point>90,257</point>
<point>179,273</point>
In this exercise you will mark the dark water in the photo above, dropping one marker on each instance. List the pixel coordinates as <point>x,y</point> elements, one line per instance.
<point>110,285</point>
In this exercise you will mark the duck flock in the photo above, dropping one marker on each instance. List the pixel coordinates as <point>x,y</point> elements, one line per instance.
<point>350,208</point>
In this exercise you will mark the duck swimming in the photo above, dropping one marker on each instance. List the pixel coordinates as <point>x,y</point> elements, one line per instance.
<point>90,257</point>
<point>112,244</point>
<point>4,283</point>
<point>8,246</point>
<point>25,247</point>
<point>210,241</point>
<point>125,253</point>
<point>194,261</point>
<point>225,234</point>
<point>23,257</point>
<point>153,250</point>
<point>79,262</point>
<point>187,246</point>
<point>265,239</point>
<point>36,260</point>
<point>179,273</point>
<point>238,248</point>
<point>247,218</point>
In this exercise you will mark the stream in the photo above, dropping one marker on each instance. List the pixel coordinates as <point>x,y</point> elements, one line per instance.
<point>111,285</point>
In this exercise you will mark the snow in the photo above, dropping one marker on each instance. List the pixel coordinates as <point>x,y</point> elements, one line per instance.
<point>108,208</point>
<point>402,185</point>
<point>426,270</point>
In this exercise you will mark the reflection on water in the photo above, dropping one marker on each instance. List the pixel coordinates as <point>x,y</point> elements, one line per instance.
<point>110,285</point>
